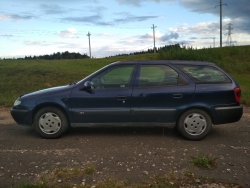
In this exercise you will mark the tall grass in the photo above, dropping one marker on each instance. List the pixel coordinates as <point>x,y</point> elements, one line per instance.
<point>232,59</point>
<point>23,76</point>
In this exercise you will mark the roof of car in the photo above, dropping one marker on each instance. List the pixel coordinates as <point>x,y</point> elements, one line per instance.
<point>175,62</point>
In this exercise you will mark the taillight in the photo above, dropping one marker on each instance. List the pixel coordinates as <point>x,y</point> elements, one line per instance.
<point>237,94</point>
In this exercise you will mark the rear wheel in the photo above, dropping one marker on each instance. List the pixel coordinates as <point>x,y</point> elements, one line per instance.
<point>194,124</point>
<point>50,122</point>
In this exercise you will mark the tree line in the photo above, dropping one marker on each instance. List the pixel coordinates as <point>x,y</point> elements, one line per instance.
<point>159,49</point>
<point>59,55</point>
<point>73,55</point>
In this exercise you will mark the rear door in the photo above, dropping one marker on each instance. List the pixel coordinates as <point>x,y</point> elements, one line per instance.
<point>160,93</point>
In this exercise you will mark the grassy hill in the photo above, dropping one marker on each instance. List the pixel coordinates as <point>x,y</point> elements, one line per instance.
<point>23,76</point>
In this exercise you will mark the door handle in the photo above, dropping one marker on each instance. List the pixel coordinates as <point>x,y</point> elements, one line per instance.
<point>178,95</point>
<point>121,97</point>
<point>142,95</point>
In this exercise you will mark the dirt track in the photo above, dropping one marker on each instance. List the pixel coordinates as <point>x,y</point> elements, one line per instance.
<point>133,154</point>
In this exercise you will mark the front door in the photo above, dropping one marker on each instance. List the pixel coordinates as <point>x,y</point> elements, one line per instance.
<point>110,99</point>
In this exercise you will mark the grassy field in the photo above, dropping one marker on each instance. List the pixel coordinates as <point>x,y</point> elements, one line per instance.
<point>23,76</point>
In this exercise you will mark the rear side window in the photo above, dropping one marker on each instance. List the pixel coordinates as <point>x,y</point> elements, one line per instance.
<point>204,74</point>
<point>157,75</point>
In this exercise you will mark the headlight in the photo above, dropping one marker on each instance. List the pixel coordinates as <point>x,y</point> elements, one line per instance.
<point>17,102</point>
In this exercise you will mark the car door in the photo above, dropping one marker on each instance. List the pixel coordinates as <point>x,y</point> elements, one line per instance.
<point>160,93</point>
<point>109,101</point>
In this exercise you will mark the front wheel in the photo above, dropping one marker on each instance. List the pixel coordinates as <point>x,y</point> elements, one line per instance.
<point>194,124</point>
<point>50,122</point>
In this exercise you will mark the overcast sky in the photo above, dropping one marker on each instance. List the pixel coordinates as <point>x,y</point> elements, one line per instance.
<point>38,27</point>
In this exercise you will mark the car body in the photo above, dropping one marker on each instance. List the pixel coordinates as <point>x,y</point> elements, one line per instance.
<point>188,95</point>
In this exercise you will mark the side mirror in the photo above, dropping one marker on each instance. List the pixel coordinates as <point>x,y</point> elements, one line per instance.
<point>87,85</point>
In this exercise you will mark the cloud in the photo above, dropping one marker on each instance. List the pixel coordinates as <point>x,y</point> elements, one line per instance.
<point>96,9</point>
<point>34,43</point>
<point>68,33</point>
<point>97,19</point>
<point>199,29</point>
<point>134,19</point>
<point>52,9</point>
<point>94,19</point>
<point>237,12</point>
<point>16,17</point>
<point>231,9</point>
<point>139,2</point>
<point>170,36</point>
<point>202,34</point>
<point>126,17</point>
<point>70,45</point>
<point>56,9</point>
<point>4,17</point>
<point>105,35</point>
<point>6,35</point>
<point>109,50</point>
<point>146,36</point>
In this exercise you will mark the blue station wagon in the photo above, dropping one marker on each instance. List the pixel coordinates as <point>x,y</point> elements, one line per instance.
<point>190,96</point>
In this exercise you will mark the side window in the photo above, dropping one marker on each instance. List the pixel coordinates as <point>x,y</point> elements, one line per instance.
<point>157,75</point>
<point>115,77</point>
<point>206,74</point>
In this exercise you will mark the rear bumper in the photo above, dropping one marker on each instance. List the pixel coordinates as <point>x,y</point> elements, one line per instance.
<point>229,114</point>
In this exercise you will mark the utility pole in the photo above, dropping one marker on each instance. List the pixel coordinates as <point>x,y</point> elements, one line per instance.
<point>229,37</point>
<point>221,4</point>
<point>220,23</point>
<point>214,41</point>
<point>89,45</point>
<point>154,36</point>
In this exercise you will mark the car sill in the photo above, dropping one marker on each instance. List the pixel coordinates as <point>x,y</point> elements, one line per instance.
<point>128,124</point>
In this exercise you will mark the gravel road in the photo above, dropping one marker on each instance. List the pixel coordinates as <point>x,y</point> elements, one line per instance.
<point>133,154</point>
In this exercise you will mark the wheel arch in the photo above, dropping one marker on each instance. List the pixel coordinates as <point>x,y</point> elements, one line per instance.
<point>197,107</point>
<point>55,105</point>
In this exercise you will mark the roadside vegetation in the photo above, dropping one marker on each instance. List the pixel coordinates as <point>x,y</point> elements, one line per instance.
<point>203,161</point>
<point>88,177</point>
<point>23,76</point>
<point>78,178</point>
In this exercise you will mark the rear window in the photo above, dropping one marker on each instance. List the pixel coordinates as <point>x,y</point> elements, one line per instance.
<point>204,74</point>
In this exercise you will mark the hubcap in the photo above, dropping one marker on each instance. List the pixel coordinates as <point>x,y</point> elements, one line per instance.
<point>50,123</point>
<point>195,124</point>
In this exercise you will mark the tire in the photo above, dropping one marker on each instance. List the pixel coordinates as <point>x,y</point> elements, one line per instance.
<point>50,122</point>
<point>194,124</point>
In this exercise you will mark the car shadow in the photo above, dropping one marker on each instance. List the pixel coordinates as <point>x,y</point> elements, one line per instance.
<point>124,131</point>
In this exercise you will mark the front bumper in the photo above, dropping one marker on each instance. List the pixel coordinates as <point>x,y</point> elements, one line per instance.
<point>22,116</point>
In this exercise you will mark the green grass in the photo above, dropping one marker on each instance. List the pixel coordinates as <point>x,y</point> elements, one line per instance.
<point>23,76</point>
<point>62,177</point>
<point>203,161</point>
<point>89,170</point>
